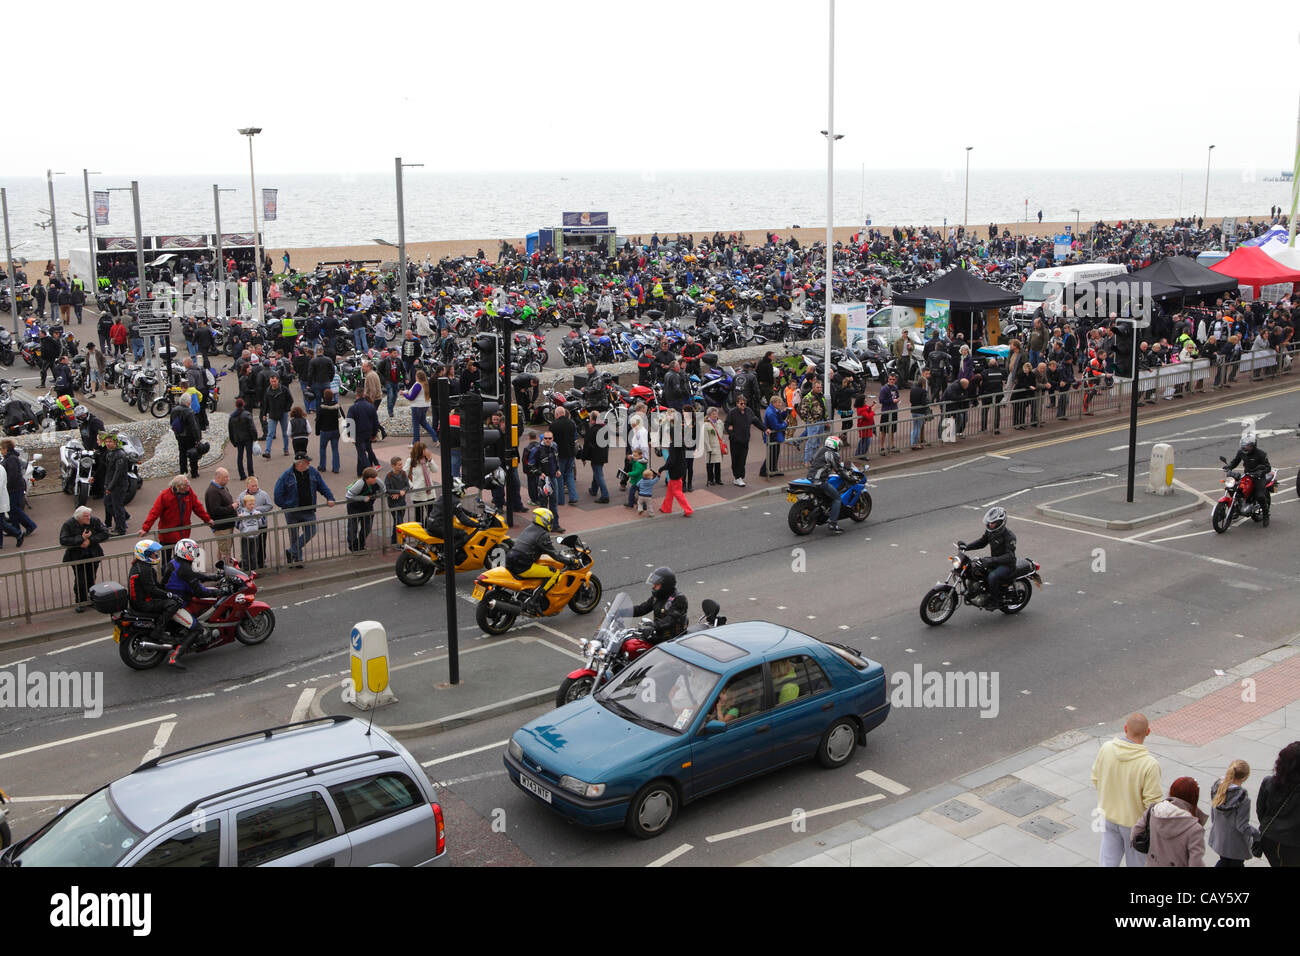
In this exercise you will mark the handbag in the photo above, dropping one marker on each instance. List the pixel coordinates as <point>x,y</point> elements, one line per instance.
<point>1142,841</point>
<point>1257,844</point>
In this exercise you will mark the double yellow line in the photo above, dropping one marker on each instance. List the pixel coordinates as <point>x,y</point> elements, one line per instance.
<point>1142,423</point>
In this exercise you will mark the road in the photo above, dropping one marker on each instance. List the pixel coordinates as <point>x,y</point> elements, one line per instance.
<point>1124,618</point>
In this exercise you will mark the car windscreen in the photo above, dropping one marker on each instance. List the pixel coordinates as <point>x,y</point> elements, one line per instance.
<point>1040,291</point>
<point>659,691</point>
<point>93,833</point>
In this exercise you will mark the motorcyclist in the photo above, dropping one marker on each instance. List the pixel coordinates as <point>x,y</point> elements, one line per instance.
<point>824,464</point>
<point>1255,463</point>
<point>433,519</point>
<point>1001,542</point>
<point>532,543</point>
<point>149,597</point>
<point>667,604</point>
<point>186,583</point>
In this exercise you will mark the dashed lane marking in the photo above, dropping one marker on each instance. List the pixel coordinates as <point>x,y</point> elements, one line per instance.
<point>471,778</point>
<point>464,753</point>
<point>669,857</point>
<point>883,782</point>
<point>303,707</point>
<point>160,740</point>
<point>80,737</point>
<point>73,647</point>
<point>786,820</point>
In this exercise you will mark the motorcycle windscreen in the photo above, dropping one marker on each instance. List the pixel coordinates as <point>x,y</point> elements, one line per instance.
<point>620,609</point>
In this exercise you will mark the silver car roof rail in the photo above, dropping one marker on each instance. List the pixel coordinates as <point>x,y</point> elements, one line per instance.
<point>267,734</point>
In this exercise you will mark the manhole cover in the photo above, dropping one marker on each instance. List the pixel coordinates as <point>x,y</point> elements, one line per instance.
<point>1045,828</point>
<point>1024,470</point>
<point>1021,799</point>
<point>956,810</point>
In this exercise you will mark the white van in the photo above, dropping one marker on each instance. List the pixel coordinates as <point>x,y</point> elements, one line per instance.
<point>1050,288</point>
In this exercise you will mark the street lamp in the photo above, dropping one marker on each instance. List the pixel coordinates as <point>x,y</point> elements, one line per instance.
<point>831,137</point>
<point>221,255</point>
<point>90,227</point>
<point>965,215</point>
<point>1077,214</point>
<point>9,264</point>
<point>1206,210</point>
<point>134,190</point>
<point>401,242</point>
<point>250,132</point>
<point>54,224</point>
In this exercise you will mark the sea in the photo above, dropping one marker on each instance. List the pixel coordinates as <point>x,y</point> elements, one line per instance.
<point>355,209</point>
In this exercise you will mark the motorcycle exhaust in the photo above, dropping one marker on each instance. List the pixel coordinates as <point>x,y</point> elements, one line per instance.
<point>420,556</point>
<point>151,646</point>
<point>500,605</point>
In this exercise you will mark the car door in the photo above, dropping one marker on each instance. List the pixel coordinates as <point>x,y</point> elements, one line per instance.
<point>803,706</point>
<point>195,843</point>
<point>745,747</point>
<point>295,829</point>
<point>387,819</point>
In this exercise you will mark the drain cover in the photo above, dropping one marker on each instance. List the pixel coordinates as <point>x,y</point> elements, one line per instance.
<point>1021,799</point>
<point>1045,828</point>
<point>956,810</point>
<point>1024,470</point>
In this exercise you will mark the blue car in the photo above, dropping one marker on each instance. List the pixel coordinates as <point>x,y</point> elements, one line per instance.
<point>695,715</point>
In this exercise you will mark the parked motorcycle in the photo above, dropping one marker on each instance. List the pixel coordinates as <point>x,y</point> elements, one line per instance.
<point>6,347</point>
<point>421,556</point>
<point>76,470</point>
<point>502,597</point>
<point>1236,502</point>
<point>618,644</point>
<point>808,508</point>
<point>232,615</point>
<point>968,579</point>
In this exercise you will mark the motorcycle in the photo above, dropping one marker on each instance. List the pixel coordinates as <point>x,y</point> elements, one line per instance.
<point>76,470</point>
<point>969,579</point>
<point>6,347</point>
<point>232,614</point>
<point>421,556</point>
<point>618,644</point>
<point>1236,501</point>
<point>808,508</point>
<point>6,835</point>
<point>502,597</point>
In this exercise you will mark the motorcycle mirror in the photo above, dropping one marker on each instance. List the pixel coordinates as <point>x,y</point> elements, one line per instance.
<point>1222,459</point>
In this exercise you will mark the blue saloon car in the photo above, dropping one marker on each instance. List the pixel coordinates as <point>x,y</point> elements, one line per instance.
<point>695,715</point>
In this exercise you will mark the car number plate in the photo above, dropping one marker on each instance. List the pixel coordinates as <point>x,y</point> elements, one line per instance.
<point>478,593</point>
<point>536,788</point>
<point>117,634</point>
<point>792,497</point>
<point>871,367</point>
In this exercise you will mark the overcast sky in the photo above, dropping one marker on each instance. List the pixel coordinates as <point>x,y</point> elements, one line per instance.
<point>664,84</point>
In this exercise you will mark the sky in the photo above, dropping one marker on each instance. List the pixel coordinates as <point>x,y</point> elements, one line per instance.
<point>661,85</point>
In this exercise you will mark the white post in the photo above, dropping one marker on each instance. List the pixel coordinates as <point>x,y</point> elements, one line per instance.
<point>54,224</point>
<point>830,204</point>
<point>1205,211</point>
<point>9,265</point>
<point>1295,185</point>
<point>90,231</point>
<point>257,245</point>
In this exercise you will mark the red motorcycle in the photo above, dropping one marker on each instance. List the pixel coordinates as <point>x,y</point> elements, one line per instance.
<point>232,614</point>
<point>1238,490</point>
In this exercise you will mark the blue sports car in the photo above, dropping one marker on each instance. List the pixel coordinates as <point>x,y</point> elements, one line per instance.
<point>695,715</point>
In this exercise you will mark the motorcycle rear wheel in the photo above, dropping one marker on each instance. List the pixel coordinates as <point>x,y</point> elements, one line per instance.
<point>939,604</point>
<point>160,408</point>
<point>803,517</point>
<point>587,597</point>
<point>862,510</point>
<point>493,621</point>
<point>1221,519</point>
<point>135,657</point>
<point>1023,592</point>
<point>254,630</point>
<point>573,688</point>
<point>411,571</point>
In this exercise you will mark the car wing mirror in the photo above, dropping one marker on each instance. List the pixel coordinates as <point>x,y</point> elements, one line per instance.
<point>713,728</point>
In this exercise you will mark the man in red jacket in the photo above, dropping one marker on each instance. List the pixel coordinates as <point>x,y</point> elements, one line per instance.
<point>173,511</point>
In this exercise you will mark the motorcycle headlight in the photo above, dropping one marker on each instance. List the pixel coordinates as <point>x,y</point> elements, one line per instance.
<point>1229,483</point>
<point>515,750</point>
<point>956,561</point>
<point>581,787</point>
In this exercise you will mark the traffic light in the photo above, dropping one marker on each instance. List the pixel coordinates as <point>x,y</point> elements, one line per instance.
<point>479,446</point>
<point>1125,344</point>
<point>489,364</point>
<point>512,450</point>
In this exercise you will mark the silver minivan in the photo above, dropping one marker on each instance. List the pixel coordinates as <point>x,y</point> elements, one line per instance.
<point>327,792</point>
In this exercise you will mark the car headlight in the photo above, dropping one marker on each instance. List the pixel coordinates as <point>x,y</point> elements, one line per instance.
<point>515,750</point>
<point>582,788</point>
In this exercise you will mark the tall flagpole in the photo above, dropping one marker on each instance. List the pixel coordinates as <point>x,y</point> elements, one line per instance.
<point>1295,185</point>
<point>830,205</point>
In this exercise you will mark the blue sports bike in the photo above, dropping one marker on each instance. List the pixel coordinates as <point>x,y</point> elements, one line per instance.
<point>808,508</point>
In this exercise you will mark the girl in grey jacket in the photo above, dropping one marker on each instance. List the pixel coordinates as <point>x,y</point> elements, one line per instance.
<point>1231,834</point>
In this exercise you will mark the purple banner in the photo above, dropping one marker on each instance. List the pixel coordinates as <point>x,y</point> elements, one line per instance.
<point>269,204</point>
<point>101,208</point>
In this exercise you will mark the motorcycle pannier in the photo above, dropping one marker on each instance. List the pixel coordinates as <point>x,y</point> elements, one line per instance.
<point>108,597</point>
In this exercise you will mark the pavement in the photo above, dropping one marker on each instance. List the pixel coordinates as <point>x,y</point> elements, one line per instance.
<point>1036,807</point>
<point>1109,507</point>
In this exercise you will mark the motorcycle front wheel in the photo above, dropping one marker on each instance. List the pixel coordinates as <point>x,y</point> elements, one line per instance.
<point>573,688</point>
<point>587,597</point>
<point>803,517</point>
<point>254,630</point>
<point>862,509</point>
<point>83,495</point>
<point>7,358</point>
<point>940,603</point>
<point>411,571</point>
<point>160,408</point>
<point>1221,519</point>
<point>492,621</point>
<point>1018,599</point>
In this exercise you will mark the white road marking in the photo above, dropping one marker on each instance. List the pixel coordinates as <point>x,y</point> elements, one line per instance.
<point>1179,537</point>
<point>79,737</point>
<point>1007,497</point>
<point>669,857</point>
<point>49,798</point>
<point>16,663</point>
<point>1074,481</point>
<point>550,630</point>
<point>160,740</point>
<point>471,778</point>
<point>464,753</point>
<point>369,584</point>
<point>303,707</point>
<point>1143,534</point>
<point>910,474</point>
<point>73,647</point>
<point>997,456</point>
<point>884,783</point>
<point>786,820</point>
<point>968,461</point>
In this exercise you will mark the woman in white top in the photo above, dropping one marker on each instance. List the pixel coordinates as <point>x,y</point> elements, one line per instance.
<point>424,479</point>
<point>418,396</point>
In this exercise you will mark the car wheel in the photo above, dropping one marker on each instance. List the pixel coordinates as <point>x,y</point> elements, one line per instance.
<point>411,571</point>
<point>653,810</point>
<point>254,630</point>
<point>939,604</point>
<point>837,743</point>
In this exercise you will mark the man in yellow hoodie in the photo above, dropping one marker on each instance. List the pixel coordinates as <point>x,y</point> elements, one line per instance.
<point>1127,779</point>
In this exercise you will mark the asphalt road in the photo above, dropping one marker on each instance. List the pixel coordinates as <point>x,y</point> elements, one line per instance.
<point>1125,618</point>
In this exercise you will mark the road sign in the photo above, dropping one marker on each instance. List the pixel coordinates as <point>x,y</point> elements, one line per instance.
<point>145,329</point>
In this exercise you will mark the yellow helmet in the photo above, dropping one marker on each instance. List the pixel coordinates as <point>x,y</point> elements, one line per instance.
<point>544,517</point>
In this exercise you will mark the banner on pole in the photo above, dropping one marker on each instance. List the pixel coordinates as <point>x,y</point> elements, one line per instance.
<point>268,204</point>
<point>101,208</point>
<point>936,311</point>
<point>1061,246</point>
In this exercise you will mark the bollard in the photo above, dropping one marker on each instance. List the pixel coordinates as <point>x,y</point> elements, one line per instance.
<point>368,646</point>
<point>1160,480</point>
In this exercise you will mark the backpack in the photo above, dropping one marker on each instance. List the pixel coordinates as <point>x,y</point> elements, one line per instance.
<point>530,459</point>
<point>178,423</point>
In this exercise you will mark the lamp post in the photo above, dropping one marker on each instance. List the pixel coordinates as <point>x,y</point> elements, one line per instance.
<point>221,253</point>
<point>90,230</point>
<point>1205,211</point>
<point>965,213</point>
<point>1295,186</point>
<point>9,264</point>
<point>143,296</point>
<point>54,223</point>
<point>250,132</point>
<point>829,133</point>
<point>1077,214</point>
<point>401,243</point>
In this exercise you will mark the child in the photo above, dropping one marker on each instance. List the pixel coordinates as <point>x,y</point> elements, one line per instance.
<point>866,425</point>
<point>634,471</point>
<point>249,525</point>
<point>645,489</point>
<point>1231,835</point>
<point>396,484</point>
<point>299,429</point>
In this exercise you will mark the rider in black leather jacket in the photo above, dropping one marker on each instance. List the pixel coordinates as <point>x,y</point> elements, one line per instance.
<point>669,607</point>
<point>1255,463</point>
<point>1001,542</point>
